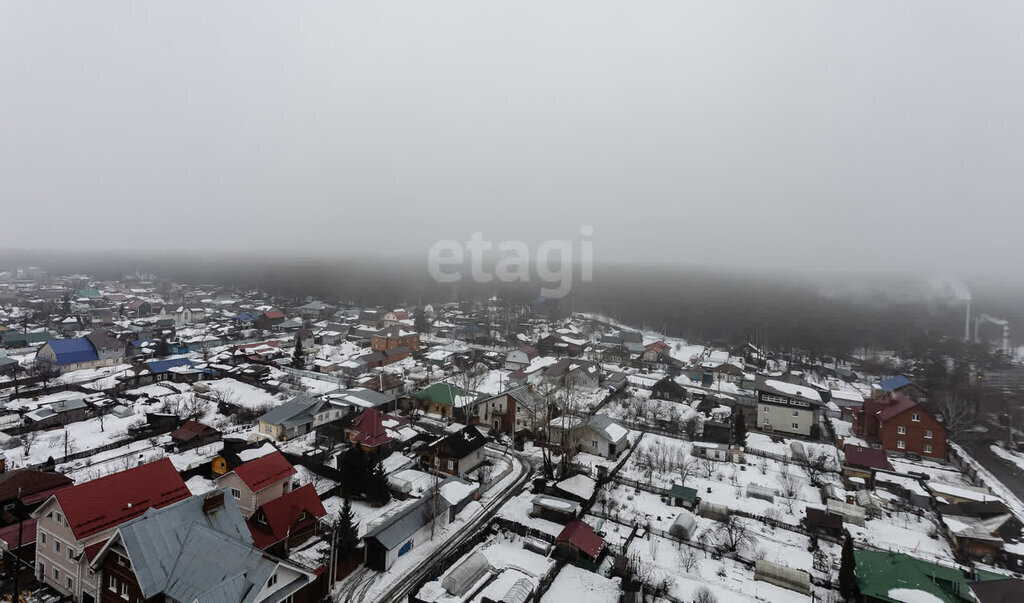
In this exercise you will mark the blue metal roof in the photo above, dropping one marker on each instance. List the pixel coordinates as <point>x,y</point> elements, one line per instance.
<point>893,383</point>
<point>72,351</point>
<point>162,366</point>
<point>246,317</point>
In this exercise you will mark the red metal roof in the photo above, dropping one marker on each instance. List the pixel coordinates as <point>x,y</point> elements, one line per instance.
<point>583,537</point>
<point>896,405</point>
<point>274,314</point>
<point>862,456</point>
<point>265,471</point>
<point>112,500</point>
<point>191,429</point>
<point>9,534</point>
<point>369,428</point>
<point>282,514</point>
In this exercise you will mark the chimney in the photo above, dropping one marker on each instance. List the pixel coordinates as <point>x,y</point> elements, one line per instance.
<point>213,502</point>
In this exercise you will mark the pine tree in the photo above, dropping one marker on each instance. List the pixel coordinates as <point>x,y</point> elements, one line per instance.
<point>162,349</point>
<point>421,324</point>
<point>354,470</point>
<point>847,576</point>
<point>298,357</point>
<point>739,429</point>
<point>348,534</point>
<point>377,486</point>
<point>66,305</point>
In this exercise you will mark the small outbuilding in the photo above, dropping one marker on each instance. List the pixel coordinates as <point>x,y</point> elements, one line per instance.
<point>466,574</point>
<point>684,526</point>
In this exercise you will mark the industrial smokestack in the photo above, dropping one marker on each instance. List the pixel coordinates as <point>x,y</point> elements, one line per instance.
<point>967,323</point>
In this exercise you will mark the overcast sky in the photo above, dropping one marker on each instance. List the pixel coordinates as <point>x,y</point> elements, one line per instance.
<point>799,134</point>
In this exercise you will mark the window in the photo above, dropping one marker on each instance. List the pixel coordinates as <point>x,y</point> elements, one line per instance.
<point>9,507</point>
<point>916,417</point>
<point>56,574</point>
<point>796,413</point>
<point>796,426</point>
<point>901,430</point>
<point>927,448</point>
<point>928,434</point>
<point>70,552</point>
<point>112,584</point>
<point>60,519</point>
<point>42,537</point>
<point>236,493</point>
<point>451,465</point>
<point>766,421</point>
<point>124,590</point>
<point>56,545</point>
<point>901,444</point>
<point>70,584</point>
<point>42,570</point>
<point>593,444</point>
<point>268,429</point>
<point>273,580</point>
<point>766,408</point>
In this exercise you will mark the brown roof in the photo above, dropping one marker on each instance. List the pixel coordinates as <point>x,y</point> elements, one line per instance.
<point>24,483</point>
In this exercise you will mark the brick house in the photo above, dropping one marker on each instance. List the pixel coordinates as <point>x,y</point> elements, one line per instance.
<point>394,337</point>
<point>75,522</point>
<point>897,423</point>
<point>258,482</point>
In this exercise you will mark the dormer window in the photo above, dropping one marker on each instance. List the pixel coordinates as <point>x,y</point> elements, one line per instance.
<point>272,581</point>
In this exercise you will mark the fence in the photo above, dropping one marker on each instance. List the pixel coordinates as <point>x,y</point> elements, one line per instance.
<point>494,480</point>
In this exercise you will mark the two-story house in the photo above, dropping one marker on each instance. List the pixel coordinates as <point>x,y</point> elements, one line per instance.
<point>516,409</point>
<point>897,423</point>
<point>787,407</point>
<point>258,482</point>
<point>287,521</point>
<point>456,453</point>
<point>394,337</point>
<point>195,550</point>
<point>75,521</point>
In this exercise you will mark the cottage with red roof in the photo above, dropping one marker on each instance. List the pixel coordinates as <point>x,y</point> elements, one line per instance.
<point>258,482</point>
<point>899,424</point>
<point>74,522</point>
<point>370,429</point>
<point>579,542</point>
<point>862,462</point>
<point>287,521</point>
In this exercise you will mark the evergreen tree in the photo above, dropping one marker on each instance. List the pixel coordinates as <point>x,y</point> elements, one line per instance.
<point>421,324</point>
<point>377,486</point>
<point>739,429</point>
<point>348,530</point>
<point>298,357</point>
<point>354,471</point>
<point>65,305</point>
<point>847,564</point>
<point>162,349</point>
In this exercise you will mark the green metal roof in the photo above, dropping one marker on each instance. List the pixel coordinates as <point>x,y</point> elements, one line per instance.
<point>443,393</point>
<point>683,492</point>
<point>879,572</point>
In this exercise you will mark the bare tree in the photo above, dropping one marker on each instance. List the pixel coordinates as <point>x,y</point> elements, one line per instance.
<point>703,594</point>
<point>688,559</point>
<point>686,467</point>
<point>28,439</point>
<point>731,535</point>
<point>817,464</point>
<point>958,415</point>
<point>193,407</point>
<point>707,466</point>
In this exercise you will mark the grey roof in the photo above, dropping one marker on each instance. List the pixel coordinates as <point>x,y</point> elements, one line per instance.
<point>524,395</point>
<point>601,423</point>
<point>361,396</point>
<point>190,555</point>
<point>297,411</point>
<point>68,405</point>
<point>399,527</point>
